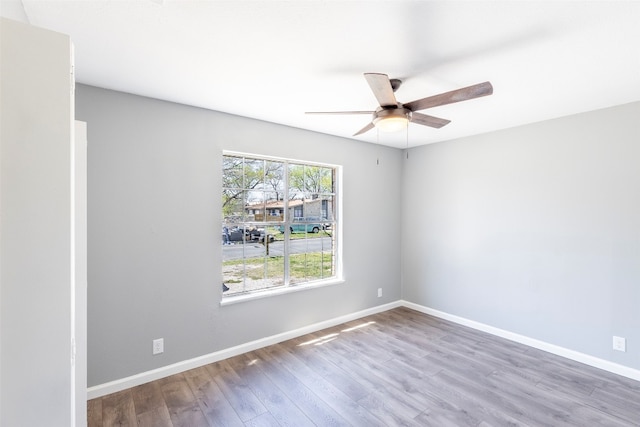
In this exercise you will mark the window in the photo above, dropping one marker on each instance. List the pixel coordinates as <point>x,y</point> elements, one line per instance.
<point>279,223</point>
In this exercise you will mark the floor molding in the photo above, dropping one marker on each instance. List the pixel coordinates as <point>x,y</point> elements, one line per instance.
<point>145,377</point>
<point>596,362</point>
<point>165,371</point>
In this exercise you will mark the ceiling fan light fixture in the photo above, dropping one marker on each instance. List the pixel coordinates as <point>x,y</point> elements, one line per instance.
<point>392,124</point>
<point>392,120</point>
<point>393,116</point>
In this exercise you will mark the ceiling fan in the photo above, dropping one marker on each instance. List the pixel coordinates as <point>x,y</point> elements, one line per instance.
<point>392,115</point>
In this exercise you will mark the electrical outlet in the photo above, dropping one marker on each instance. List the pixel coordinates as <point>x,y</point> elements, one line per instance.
<point>379,292</point>
<point>619,343</point>
<point>158,346</point>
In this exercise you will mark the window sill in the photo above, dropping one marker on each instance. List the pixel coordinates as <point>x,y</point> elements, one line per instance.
<point>273,292</point>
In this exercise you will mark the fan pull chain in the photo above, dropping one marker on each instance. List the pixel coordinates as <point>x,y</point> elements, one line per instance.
<point>407,141</point>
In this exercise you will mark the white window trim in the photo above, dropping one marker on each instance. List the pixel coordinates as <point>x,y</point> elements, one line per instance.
<point>266,293</point>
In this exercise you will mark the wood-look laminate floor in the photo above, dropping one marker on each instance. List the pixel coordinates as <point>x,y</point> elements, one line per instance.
<point>397,368</point>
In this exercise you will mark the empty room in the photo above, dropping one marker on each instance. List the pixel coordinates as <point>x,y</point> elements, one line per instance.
<point>279,213</point>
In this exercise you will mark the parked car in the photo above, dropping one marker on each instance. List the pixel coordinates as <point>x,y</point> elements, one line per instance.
<point>302,225</point>
<point>270,238</point>
<point>238,234</point>
<point>248,234</point>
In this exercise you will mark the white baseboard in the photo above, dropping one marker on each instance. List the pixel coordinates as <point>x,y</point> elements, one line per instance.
<point>606,365</point>
<point>165,371</point>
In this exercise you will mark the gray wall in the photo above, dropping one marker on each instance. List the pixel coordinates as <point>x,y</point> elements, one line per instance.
<point>535,230</point>
<point>154,231</point>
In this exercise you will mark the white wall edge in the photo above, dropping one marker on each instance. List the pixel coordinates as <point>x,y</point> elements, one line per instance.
<point>596,362</point>
<point>176,368</point>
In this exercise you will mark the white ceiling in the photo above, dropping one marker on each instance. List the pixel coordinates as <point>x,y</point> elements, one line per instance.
<point>274,60</point>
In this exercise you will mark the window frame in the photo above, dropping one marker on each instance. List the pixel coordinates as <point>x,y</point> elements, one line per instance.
<point>288,286</point>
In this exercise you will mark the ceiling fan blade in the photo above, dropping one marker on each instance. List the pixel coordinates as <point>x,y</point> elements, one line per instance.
<point>463,94</point>
<point>339,112</point>
<point>364,129</point>
<point>423,119</point>
<point>381,87</point>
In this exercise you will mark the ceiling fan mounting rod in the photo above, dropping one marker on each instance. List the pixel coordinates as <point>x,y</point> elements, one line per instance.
<point>395,84</point>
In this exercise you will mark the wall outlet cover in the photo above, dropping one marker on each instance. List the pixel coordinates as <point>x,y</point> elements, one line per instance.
<point>619,343</point>
<point>158,346</point>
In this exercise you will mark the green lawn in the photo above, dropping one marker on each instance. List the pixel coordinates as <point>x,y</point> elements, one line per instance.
<point>307,266</point>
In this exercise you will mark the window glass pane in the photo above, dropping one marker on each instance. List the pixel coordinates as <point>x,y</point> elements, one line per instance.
<point>272,237</point>
<point>254,263</point>
<point>298,211</point>
<point>232,172</point>
<point>233,206</point>
<point>254,208</point>
<point>327,208</point>
<point>274,178</point>
<point>317,179</point>
<point>253,174</point>
<point>311,257</point>
<point>296,181</point>
<point>274,207</point>
<point>313,208</point>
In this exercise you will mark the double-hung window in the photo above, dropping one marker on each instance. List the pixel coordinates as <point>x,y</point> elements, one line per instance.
<point>279,224</point>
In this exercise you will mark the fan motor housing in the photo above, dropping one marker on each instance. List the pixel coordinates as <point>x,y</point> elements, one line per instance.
<point>395,112</point>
